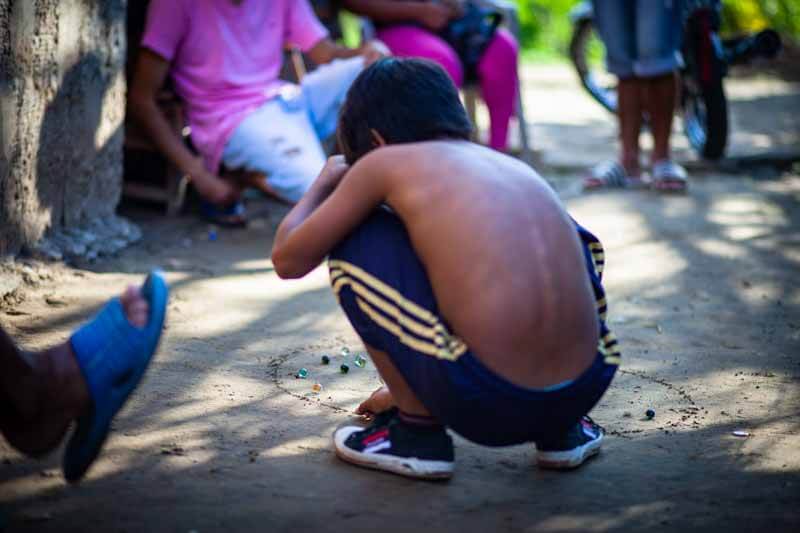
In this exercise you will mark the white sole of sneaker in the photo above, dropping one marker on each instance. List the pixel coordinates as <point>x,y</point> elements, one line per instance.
<point>404,466</point>
<point>569,459</point>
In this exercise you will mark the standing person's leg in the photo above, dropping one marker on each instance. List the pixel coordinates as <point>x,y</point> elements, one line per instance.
<point>630,98</point>
<point>615,23</point>
<point>660,101</point>
<point>497,71</point>
<point>658,58</point>
<point>412,41</point>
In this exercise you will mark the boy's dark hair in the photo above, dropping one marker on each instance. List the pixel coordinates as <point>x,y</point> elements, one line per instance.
<point>404,100</point>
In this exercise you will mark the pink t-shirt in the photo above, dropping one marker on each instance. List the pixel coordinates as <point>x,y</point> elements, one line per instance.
<point>226,58</point>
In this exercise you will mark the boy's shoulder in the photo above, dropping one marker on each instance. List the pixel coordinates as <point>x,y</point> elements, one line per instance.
<point>413,152</point>
<point>390,158</point>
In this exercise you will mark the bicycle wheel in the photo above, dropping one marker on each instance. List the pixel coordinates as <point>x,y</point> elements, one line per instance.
<point>705,118</point>
<point>705,107</point>
<point>596,84</point>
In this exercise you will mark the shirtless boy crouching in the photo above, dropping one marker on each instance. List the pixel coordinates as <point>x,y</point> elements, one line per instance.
<point>476,295</point>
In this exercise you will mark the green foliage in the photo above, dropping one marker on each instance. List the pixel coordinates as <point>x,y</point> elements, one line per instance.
<point>351,29</point>
<point>545,25</point>
<point>745,16</point>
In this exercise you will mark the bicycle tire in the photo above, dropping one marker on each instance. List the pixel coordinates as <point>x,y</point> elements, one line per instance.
<point>582,32</point>
<point>716,121</point>
<point>704,104</point>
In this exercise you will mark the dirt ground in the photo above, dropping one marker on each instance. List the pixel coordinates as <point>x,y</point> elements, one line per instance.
<point>704,294</point>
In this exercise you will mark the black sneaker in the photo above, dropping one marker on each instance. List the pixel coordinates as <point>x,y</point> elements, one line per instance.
<point>572,449</point>
<point>395,446</point>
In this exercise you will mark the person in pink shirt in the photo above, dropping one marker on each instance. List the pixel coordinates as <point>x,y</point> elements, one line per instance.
<point>224,58</point>
<point>409,28</point>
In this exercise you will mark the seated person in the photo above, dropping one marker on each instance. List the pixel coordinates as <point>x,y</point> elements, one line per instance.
<point>409,29</point>
<point>87,379</point>
<point>224,57</point>
<point>476,295</point>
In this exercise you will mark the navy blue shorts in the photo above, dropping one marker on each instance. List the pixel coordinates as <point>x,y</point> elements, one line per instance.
<point>384,290</point>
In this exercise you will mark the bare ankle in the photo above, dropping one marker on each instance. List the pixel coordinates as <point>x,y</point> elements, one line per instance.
<point>631,165</point>
<point>425,420</point>
<point>659,156</point>
<point>64,381</point>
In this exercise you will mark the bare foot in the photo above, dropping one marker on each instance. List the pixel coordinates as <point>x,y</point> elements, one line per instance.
<point>56,391</point>
<point>215,189</point>
<point>378,402</point>
<point>135,306</point>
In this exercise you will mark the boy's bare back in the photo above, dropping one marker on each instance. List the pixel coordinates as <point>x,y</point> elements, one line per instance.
<point>503,257</point>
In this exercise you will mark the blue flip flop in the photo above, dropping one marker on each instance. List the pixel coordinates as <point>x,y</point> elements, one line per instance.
<point>113,356</point>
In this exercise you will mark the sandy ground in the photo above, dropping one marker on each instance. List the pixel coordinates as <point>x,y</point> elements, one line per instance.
<point>704,295</point>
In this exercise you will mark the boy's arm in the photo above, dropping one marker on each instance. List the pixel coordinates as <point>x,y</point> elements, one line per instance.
<point>432,15</point>
<point>151,73</point>
<point>305,31</point>
<point>337,202</point>
<point>326,51</point>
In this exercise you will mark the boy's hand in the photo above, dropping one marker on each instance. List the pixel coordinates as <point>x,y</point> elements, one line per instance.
<point>378,402</point>
<point>333,171</point>
<point>373,51</point>
<point>210,186</point>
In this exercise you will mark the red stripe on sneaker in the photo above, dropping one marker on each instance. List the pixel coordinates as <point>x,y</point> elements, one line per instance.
<point>382,434</point>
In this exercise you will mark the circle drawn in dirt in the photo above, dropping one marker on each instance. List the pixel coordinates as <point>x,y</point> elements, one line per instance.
<point>341,392</point>
<point>623,409</point>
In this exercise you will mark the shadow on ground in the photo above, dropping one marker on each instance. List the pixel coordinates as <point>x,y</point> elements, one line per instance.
<point>704,297</point>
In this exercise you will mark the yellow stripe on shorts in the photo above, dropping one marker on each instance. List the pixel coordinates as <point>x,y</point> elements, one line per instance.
<point>377,300</point>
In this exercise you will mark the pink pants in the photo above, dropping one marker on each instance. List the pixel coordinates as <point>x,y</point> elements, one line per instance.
<point>497,70</point>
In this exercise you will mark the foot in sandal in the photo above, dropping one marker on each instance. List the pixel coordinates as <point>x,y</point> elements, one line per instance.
<point>611,175</point>
<point>669,176</point>
<point>113,352</point>
<point>87,379</point>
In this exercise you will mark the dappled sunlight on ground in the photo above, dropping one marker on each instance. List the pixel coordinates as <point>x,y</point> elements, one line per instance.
<point>703,297</point>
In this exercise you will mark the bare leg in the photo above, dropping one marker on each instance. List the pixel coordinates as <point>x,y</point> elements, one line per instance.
<point>404,397</point>
<point>630,92</point>
<point>43,392</point>
<point>660,100</point>
<point>16,368</point>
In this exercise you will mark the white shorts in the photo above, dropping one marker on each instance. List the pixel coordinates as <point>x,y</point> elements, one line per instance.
<point>282,138</point>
